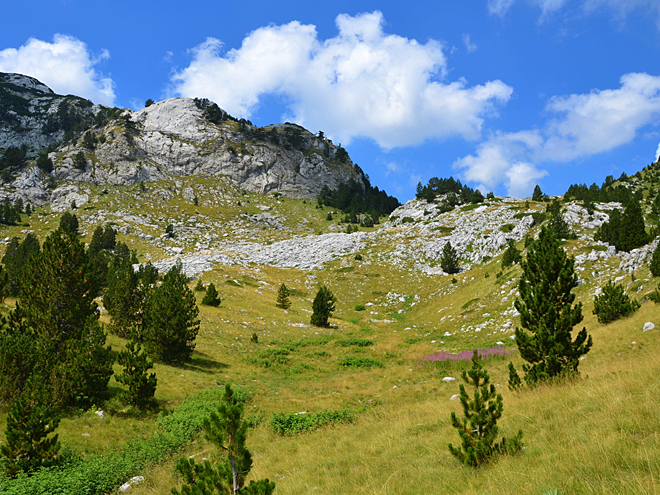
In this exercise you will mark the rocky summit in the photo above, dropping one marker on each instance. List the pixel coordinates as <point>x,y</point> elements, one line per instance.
<point>180,137</point>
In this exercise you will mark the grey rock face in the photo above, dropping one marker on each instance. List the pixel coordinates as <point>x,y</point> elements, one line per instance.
<point>172,138</point>
<point>31,114</point>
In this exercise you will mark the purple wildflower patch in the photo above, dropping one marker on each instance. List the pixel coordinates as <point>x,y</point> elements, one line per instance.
<point>495,351</point>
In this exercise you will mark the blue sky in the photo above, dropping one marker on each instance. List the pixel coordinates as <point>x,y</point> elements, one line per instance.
<point>503,94</point>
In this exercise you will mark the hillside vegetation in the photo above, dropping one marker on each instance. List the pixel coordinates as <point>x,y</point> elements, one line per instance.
<point>364,405</point>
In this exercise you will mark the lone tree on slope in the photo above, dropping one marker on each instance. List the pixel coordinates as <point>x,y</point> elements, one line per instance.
<point>547,314</point>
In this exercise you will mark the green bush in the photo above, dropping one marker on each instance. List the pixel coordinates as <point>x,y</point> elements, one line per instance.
<point>360,307</point>
<point>360,362</point>
<point>354,342</point>
<point>99,474</point>
<point>291,423</point>
<point>407,220</point>
<point>613,303</point>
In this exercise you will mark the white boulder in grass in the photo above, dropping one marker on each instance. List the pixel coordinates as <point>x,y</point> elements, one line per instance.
<point>648,326</point>
<point>448,379</point>
<point>135,480</point>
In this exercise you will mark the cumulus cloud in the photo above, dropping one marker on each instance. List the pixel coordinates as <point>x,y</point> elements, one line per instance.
<point>579,125</point>
<point>65,65</point>
<point>657,154</point>
<point>361,83</point>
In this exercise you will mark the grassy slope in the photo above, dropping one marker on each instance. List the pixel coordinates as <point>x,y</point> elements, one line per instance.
<point>595,436</point>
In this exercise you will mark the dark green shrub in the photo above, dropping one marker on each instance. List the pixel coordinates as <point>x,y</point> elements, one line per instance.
<point>360,362</point>
<point>360,307</point>
<point>354,342</point>
<point>613,303</point>
<point>291,423</point>
<point>511,255</point>
<point>654,265</point>
<point>211,297</point>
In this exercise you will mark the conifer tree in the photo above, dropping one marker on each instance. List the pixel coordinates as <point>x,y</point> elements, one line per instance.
<point>16,258</point>
<point>654,265</point>
<point>538,195</point>
<point>547,312</point>
<point>69,223</point>
<point>29,423</point>
<point>57,302</point>
<point>511,255</point>
<point>322,307</point>
<point>449,259</point>
<point>227,430</point>
<point>609,231</point>
<point>211,297</point>
<point>171,319</point>
<point>283,301</point>
<point>557,225</point>
<point>141,386</point>
<point>123,300</point>
<point>633,232</point>
<point>614,303</point>
<point>478,427</point>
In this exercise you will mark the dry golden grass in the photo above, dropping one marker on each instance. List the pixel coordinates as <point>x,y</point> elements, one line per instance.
<point>596,435</point>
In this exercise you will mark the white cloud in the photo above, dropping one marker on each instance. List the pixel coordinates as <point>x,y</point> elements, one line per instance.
<point>657,154</point>
<point>601,120</point>
<point>620,8</point>
<point>470,46</point>
<point>500,160</point>
<point>499,7</point>
<point>580,125</point>
<point>65,65</point>
<point>361,83</point>
<point>392,167</point>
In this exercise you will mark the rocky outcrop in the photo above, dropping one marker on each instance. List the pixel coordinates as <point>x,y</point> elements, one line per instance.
<point>173,138</point>
<point>32,115</point>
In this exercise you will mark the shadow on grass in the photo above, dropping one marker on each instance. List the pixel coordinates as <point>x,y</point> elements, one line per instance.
<point>204,364</point>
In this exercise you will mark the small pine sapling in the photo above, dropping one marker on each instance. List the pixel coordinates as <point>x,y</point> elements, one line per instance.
<point>511,255</point>
<point>283,301</point>
<point>227,429</point>
<point>478,427</point>
<point>449,259</point>
<point>141,387</point>
<point>254,338</point>
<point>29,423</point>
<point>614,303</point>
<point>200,286</point>
<point>514,379</point>
<point>211,298</point>
<point>322,307</point>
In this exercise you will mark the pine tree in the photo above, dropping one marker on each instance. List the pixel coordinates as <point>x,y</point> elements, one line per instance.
<point>69,223</point>
<point>171,319</point>
<point>633,232</point>
<point>538,195</point>
<point>511,255</point>
<point>29,423</point>
<point>558,226</point>
<point>322,307</point>
<point>141,386</point>
<point>211,297</point>
<point>200,286</point>
<point>57,302</point>
<point>614,303</point>
<point>449,259</point>
<point>57,296</point>
<point>546,311</point>
<point>654,265</point>
<point>16,258</point>
<point>227,429</point>
<point>609,231</point>
<point>478,427</point>
<point>123,299</point>
<point>283,301</point>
